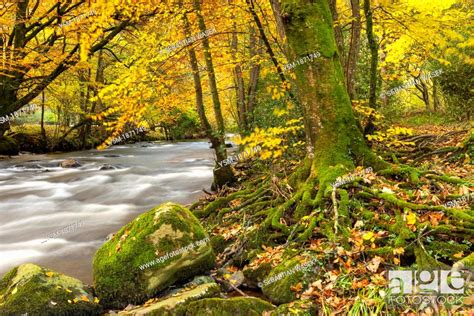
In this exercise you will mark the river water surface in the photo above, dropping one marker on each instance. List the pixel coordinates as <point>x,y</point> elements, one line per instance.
<point>38,198</point>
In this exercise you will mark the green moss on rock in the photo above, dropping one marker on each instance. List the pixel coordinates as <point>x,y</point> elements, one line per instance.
<point>32,289</point>
<point>298,308</point>
<point>248,306</point>
<point>255,275</point>
<point>176,303</point>
<point>277,286</point>
<point>126,268</point>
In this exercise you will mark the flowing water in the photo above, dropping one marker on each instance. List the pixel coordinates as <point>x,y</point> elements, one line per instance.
<point>38,198</point>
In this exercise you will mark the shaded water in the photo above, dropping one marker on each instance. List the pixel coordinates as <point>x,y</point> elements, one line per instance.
<point>38,198</point>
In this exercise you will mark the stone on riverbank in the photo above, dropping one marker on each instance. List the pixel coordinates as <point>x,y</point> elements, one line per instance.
<point>175,304</point>
<point>32,289</point>
<point>160,247</point>
<point>297,308</point>
<point>248,306</point>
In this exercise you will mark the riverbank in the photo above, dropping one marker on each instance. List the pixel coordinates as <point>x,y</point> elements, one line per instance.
<point>29,138</point>
<point>39,198</point>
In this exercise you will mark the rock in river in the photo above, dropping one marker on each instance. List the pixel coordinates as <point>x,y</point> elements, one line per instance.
<point>160,247</point>
<point>69,163</point>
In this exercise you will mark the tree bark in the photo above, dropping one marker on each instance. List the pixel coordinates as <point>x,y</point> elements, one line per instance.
<point>353,55</point>
<point>338,32</point>
<point>436,102</point>
<point>44,139</point>
<point>239,84</point>
<point>254,75</point>
<point>329,117</point>
<point>370,127</point>
<point>426,96</point>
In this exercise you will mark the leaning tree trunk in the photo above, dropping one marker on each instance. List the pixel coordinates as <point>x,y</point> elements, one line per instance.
<point>223,175</point>
<point>338,143</point>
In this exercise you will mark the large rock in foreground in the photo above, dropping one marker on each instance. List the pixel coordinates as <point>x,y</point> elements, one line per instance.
<point>32,289</point>
<point>297,308</point>
<point>248,306</point>
<point>278,285</point>
<point>160,247</point>
<point>175,304</point>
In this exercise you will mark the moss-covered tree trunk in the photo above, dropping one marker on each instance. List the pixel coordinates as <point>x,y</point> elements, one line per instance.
<point>337,142</point>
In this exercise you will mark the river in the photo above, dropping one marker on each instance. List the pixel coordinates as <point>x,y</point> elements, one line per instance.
<point>38,198</point>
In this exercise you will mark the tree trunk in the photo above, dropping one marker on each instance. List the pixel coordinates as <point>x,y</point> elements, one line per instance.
<point>370,127</point>
<point>84,80</point>
<point>44,139</point>
<point>254,74</point>
<point>436,102</point>
<point>426,96</point>
<point>239,84</point>
<point>223,175</point>
<point>333,129</point>
<point>352,57</point>
<point>338,32</point>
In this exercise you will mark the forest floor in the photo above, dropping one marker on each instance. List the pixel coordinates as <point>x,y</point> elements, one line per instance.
<point>384,222</point>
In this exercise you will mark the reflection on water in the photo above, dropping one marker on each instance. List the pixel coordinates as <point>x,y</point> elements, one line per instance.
<point>39,198</point>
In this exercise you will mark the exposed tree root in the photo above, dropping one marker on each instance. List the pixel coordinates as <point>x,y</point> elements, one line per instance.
<point>315,208</point>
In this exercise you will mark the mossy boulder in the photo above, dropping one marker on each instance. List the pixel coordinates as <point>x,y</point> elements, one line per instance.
<point>244,306</point>
<point>175,304</point>
<point>296,308</point>
<point>160,247</point>
<point>32,289</point>
<point>8,146</point>
<point>277,285</point>
<point>255,274</point>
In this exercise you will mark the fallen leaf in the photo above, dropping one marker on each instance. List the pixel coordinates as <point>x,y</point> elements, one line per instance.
<point>399,251</point>
<point>411,218</point>
<point>374,264</point>
<point>368,236</point>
